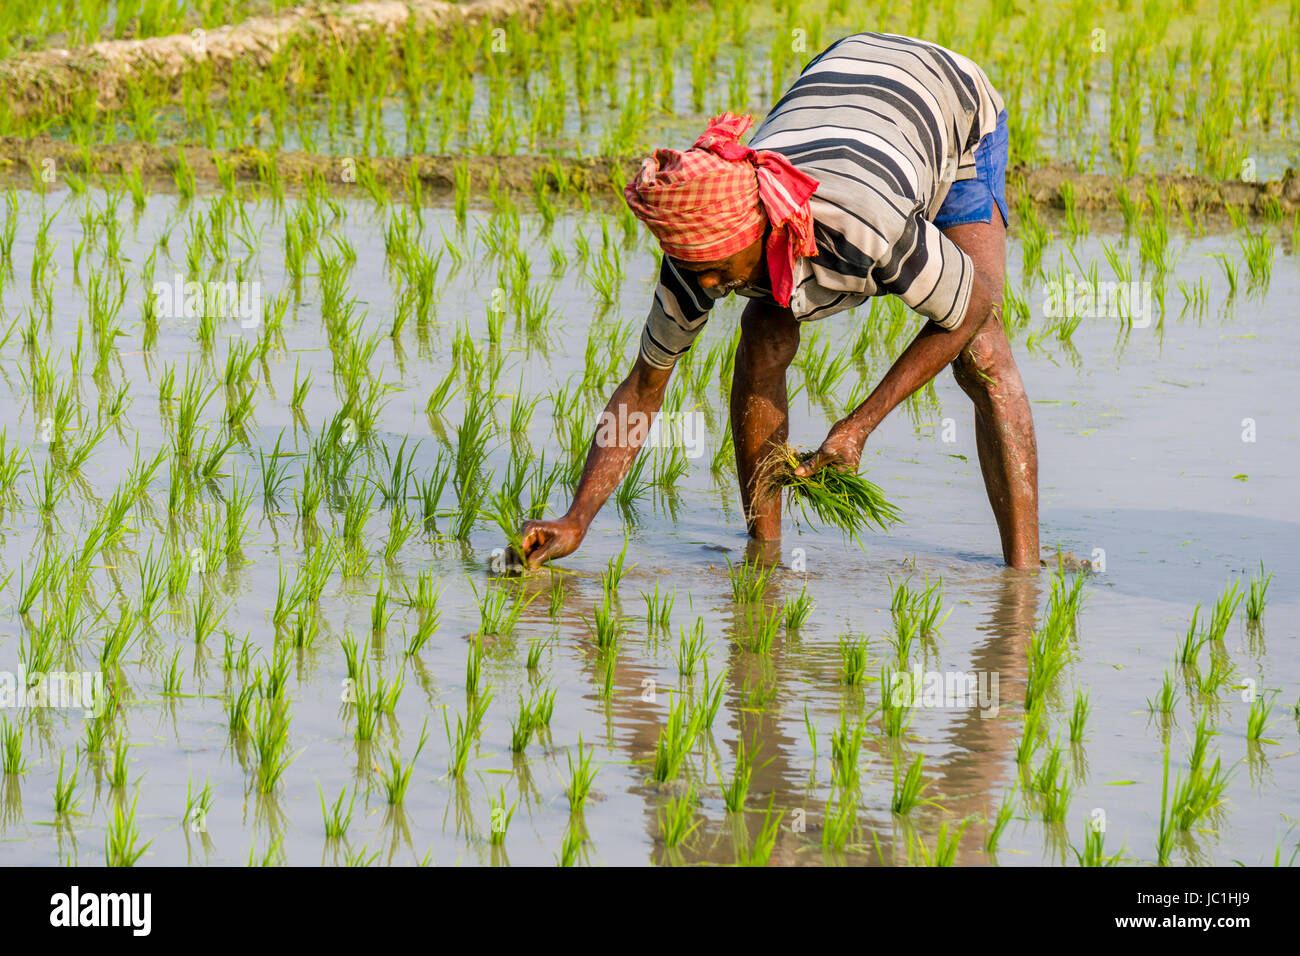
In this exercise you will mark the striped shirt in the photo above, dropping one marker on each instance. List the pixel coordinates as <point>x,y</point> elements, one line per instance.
<point>885,124</point>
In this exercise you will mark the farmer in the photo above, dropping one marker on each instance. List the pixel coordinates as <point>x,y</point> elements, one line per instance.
<point>881,171</point>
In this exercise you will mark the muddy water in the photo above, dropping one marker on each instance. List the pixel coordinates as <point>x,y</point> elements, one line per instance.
<point>1143,464</point>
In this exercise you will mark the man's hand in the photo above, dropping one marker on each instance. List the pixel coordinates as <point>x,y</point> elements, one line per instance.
<point>546,540</point>
<point>842,449</point>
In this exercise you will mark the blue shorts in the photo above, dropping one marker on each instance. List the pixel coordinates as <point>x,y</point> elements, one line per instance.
<point>971,200</point>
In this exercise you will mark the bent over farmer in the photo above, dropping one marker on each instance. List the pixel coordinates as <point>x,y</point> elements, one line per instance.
<point>880,171</point>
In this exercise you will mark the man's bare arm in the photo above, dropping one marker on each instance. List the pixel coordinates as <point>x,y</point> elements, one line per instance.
<point>607,463</point>
<point>933,349</point>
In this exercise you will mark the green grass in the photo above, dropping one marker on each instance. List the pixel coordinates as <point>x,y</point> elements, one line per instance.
<point>908,786</point>
<point>736,789</point>
<point>122,847</point>
<point>676,739</point>
<point>797,610</point>
<point>749,580</point>
<point>691,648</point>
<point>677,820</point>
<point>11,747</point>
<point>846,748</point>
<point>1255,599</point>
<point>336,819</point>
<point>853,660</point>
<point>500,818</point>
<point>1257,719</point>
<point>468,730</point>
<point>1001,820</point>
<point>581,775</point>
<point>65,799</point>
<point>396,777</point>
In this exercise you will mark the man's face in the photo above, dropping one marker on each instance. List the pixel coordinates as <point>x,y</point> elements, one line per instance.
<point>721,276</point>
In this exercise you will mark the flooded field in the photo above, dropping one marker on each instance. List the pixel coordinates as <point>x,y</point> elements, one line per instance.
<point>252,464</point>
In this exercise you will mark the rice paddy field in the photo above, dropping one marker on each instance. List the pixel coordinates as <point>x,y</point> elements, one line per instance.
<point>276,398</point>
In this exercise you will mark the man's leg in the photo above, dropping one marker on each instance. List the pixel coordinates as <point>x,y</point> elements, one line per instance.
<point>760,420</point>
<point>1004,425</point>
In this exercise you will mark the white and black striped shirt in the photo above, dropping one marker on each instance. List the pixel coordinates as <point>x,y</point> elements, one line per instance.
<point>885,124</point>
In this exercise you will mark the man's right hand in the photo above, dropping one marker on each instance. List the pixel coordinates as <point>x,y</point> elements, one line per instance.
<point>546,540</point>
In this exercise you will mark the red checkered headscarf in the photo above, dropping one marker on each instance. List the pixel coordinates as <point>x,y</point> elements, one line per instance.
<point>714,199</point>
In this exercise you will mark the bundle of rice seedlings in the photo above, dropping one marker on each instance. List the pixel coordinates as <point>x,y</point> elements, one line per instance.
<point>838,498</point>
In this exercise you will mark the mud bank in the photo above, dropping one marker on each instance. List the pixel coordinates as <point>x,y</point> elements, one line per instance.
<point>46,158</point>
<point>44,82</point>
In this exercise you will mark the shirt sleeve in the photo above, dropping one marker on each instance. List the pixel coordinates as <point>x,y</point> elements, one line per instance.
<point>677,315</point>
<point>928,271</point>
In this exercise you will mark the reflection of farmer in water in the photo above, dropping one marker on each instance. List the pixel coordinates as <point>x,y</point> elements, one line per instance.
<point>881,171</point>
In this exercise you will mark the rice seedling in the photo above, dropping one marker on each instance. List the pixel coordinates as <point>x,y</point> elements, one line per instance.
<point>1053,783</point>
<point>763,624</point>
<point>1189,649</point>
<point>581,775</point>
<point>1079,716</point>
<point>1048,653</point>
<point>1094,848</point>
<point>691,648</point>
<point>121,765</point>
<point>1254,599</point>
<point>1257,719</point>
<point>797,609</point>
<point>556,596</point>
<point>65,799</point>
<point>853,660</point>
<point>501,817</point>
<point>614,574</point>
<point>760,851</point>
<point>1001,820</point>
<point>711,698</point>
<point>658,608</point>
<point>468,730</point>
<point>908,786</point>
<point>839,499</point>
<point>749,580</point>
<point>677,820</point>
<point>474,669</point>
<point>521,729</point>
<point>1220,672</point>
<point>270,732</point>
<point>1165,701</point>
<point>11,747</point>
<point>1224,608</point>
<point>397,777</point>
<point>840,822</point>
<point>846,747</point>
<point>574,840</point>
<point>172,676</point>
<point>1197,795</point>
<point>676,739</point>
<point>535,648</point>
<point>1257,247</point>
<point>122,836</point>
<point>735,790</point>
<point>896,699</point>
<point>498,611</point>
<point>336,820</point>
<point>606,626</point>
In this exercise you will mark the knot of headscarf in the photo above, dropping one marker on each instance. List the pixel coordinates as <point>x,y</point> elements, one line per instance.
<point>716,198</point>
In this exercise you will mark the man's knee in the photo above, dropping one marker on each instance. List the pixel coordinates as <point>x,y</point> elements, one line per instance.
<point>979,365</point>
<point>769,339</point>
